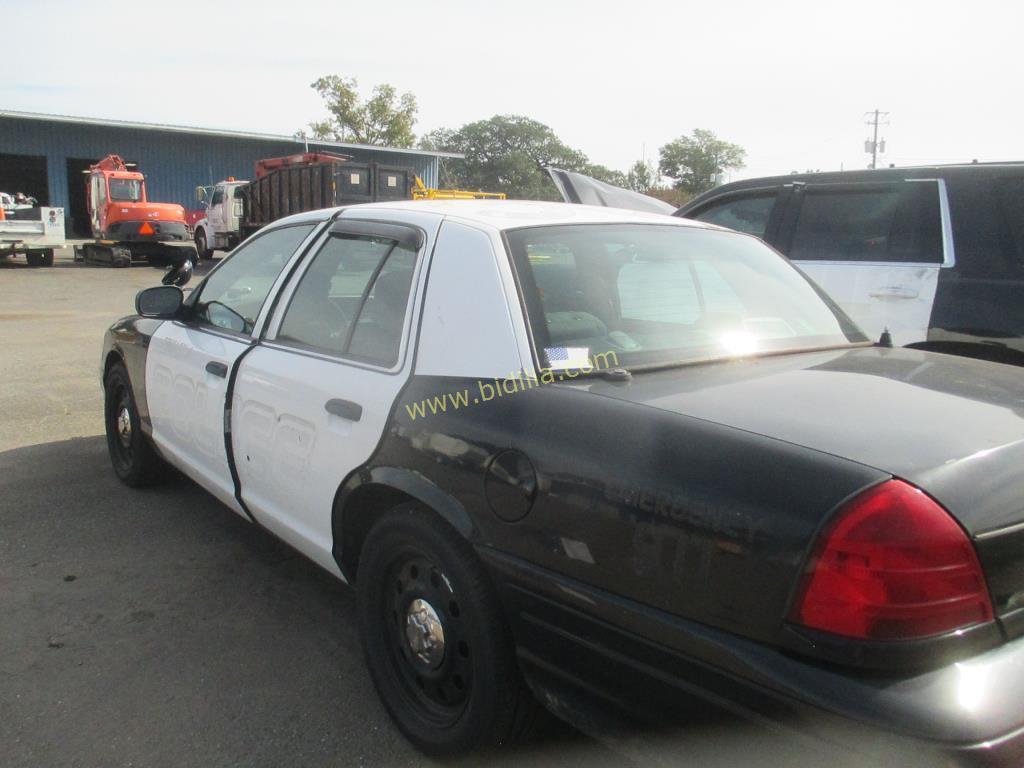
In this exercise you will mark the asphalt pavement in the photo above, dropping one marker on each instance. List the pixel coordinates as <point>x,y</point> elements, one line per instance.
<point>156,627</point>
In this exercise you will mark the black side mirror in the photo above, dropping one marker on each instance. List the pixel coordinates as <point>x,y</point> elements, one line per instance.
<point>179,274</point>
<point>163,302</point>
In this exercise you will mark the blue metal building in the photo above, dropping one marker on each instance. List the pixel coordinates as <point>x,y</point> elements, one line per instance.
<point>45,156</point>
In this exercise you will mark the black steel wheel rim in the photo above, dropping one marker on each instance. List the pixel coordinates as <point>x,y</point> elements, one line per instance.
<point>120,440</point>
<point>436,685</point>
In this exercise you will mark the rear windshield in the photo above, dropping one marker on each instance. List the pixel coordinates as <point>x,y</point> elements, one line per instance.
<point>648,295</point>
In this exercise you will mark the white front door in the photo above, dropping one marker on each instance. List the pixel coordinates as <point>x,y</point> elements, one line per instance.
<point>215,213</point>
<point>877,250</point>
<point>187,371</point>
<point>311,402</point>
<point>189,363</point>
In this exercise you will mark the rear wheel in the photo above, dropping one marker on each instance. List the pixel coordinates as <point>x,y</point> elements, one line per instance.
<point>46,258</point>
<point>436,643</point>
<point>34,259</point>
<point>133,458</point>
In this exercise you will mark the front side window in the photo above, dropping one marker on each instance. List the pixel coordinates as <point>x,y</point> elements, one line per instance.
<point>892,223</point>
<point>352,300</point>
<point>125,190</point>
<point>659,295</point>
<point>232,296</point>
<point>745,213</point>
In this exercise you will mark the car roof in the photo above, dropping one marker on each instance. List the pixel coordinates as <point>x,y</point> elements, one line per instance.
<point>513,214</point>
<point>951,171</point>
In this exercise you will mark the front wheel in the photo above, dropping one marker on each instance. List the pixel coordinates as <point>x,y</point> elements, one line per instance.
<point>201,245</point>
<point>133,458</point>
<point>437,645</point>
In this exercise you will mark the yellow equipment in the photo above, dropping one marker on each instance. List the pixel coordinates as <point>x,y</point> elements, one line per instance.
<point>421,191</point>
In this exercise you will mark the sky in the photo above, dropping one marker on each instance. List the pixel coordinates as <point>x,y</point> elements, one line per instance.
<point>790,82</point>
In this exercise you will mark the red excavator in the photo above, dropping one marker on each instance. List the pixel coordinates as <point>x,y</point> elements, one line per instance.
<point>126,225</point>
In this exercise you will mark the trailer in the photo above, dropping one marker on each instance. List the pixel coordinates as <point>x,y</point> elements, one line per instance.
<point>32,232</point>
<point>292,184</point>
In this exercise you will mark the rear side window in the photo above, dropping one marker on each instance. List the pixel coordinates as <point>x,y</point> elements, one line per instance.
<point>744,213</point>
<point>1010,193</point>
<point>352,300</point>
<point>895,223</point>
<point>232,296</point>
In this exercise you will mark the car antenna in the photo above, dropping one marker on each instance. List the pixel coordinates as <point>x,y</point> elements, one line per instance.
<point>885,340</point>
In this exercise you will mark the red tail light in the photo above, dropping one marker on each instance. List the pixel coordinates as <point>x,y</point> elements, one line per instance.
<point>894,565</point>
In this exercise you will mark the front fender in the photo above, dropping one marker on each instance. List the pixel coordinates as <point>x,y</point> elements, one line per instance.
<point>128,340</point>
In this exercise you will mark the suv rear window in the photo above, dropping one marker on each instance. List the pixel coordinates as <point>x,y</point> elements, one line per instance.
<point>1011,204</point>
<point>745,213</point>
<point>895,223</point>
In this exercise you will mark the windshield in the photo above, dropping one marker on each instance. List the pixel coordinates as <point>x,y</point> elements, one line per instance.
<point>126,190</point>
<point>662,294</point>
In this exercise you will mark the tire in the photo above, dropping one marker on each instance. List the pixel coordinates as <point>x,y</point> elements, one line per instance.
<point>464,692</point>
<point>201,245</point>
<point>34,259</point>
<point>46,258</point>
<point>134,460</point>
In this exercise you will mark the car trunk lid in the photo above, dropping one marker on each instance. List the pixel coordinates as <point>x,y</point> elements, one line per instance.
<point>951,426</point>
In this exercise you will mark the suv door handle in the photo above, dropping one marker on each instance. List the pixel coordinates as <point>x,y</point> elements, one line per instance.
<point>344,409</point>
<point>217,369</point>
<point>893,292</point>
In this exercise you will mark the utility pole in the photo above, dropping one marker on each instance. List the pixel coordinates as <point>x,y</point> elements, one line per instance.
<point>872,145</point>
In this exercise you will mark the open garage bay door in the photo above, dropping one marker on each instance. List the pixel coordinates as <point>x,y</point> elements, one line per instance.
<point>25,173</point>
<point>77,214</point>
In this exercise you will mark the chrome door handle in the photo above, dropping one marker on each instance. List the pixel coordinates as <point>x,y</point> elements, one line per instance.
<point>344,409</point>
<point>217,369</point>
<point>893,292</point>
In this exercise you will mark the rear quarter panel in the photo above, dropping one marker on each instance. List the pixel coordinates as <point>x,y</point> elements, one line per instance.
<point>706,522</point>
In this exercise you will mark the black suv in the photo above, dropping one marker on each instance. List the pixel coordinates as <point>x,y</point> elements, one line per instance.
<point>935,254</point>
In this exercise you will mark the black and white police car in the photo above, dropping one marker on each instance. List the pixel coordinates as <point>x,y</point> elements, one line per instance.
<point>605,460</point>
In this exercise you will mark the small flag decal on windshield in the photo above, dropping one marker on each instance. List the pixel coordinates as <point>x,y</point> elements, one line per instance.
<point>568,357</point>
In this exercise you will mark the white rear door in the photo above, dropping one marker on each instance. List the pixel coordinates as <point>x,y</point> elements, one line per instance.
<point>311,402</point>
<point>876,249</point>
<point>189,364</point>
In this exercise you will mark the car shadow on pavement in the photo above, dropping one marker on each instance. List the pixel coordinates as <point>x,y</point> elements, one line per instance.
<point>156,627</point>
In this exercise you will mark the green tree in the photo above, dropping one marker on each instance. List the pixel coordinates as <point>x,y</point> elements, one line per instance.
<point>507,153</point>
<point>607,175</point>
<point>640,177</point>
<point>693,162</point>
<point>385,118</point>
<point>670,195</point>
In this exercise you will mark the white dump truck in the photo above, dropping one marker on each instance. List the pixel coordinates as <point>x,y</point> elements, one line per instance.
<point>33,233</point>
<point>220,227</point>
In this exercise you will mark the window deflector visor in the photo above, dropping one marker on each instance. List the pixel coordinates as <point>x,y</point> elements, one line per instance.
<point>408,237</point>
